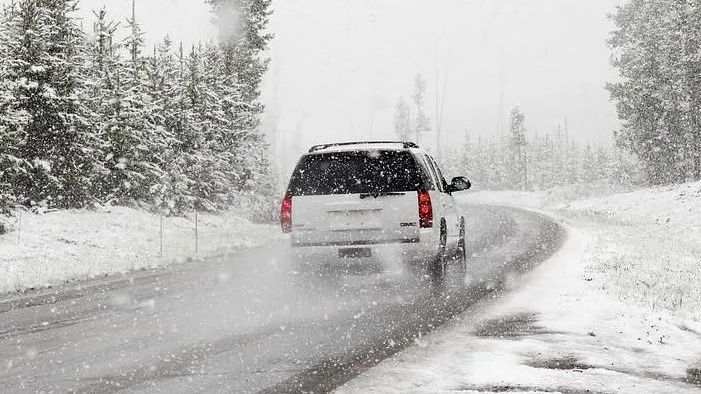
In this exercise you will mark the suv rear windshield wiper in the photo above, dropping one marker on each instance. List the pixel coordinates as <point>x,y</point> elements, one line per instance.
<point>380,194</point>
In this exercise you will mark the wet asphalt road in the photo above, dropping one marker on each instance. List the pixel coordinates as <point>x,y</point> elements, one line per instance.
<point>250,322</point>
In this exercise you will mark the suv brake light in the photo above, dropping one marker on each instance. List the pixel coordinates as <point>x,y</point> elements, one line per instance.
<point>286,214</point>
<point>425,210</point>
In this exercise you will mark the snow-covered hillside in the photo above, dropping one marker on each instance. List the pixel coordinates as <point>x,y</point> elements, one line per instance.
<point>648,242</point>
<point>46,249</point>
<point>616,310</point>
<point>648,246</point>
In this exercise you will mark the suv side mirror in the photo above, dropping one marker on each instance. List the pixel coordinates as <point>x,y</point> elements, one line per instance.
<point>459,183</point>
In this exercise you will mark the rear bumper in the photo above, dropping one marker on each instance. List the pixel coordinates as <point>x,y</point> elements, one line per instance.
<point>359,243</point>
<point>412,251</point>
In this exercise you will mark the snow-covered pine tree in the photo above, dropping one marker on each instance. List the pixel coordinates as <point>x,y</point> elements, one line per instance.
<point>674,93</point>
<point>500,166</point>
<point>421,123</point>
<point>46,71</point>
<point>692,67</point>
<point>625,169</point>
<point>10,124</point>
<point>243,40</point>
<point>589,166</point>
<point>559,147</point>
<point>538,162</point>
<point>102,61</point>
<point>216,158</point>
<point>656,48</point>
<point>573,164</point>
<point>517,144</point>
<point>243,143</point>
<point>479,163</point>
<point>201,106</point>
<point>603,164</point>
<point>236,157</point>
<point>547,168</point>
<point>135,145</point>
<point>166,87</point>
<point>402,120</point>
<point>475,163</point>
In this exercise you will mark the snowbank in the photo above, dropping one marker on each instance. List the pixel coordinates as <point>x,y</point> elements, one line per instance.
<point>544,198</point>
<point>648,246</point>
<point>46,249</point>
<point>557,333</point>
<point>618,309</point>
<point>648,242</point>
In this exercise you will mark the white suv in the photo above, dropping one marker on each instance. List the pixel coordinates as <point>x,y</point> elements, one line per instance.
<point>374,200</point>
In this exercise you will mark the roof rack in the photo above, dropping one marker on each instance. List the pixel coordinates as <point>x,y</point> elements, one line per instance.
<point>405,144</point>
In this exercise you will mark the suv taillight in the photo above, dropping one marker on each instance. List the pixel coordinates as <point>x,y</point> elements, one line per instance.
<point>286,214</point>
<point>425,210</point>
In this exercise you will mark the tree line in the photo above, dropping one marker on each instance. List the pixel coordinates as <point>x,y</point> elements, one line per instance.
<point>657,51</point>
<point>87,118</point>
<point>519,161</point>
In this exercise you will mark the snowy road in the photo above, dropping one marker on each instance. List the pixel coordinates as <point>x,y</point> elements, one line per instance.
<point>248,322</point>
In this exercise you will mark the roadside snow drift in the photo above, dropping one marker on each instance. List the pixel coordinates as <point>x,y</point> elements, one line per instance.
<point>648,246</point>
<point>616,310</point>
<point>46,249</point>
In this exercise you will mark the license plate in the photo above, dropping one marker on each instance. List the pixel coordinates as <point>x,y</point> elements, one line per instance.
<point>354,253</point>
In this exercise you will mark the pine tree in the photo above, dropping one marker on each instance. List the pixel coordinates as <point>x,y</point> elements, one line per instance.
<point>46,72</point>
<point>86,119</point>
<point>102,61</point>
<point>10,123</point>
<point>517,145</point>
<point>402,120</point>
<point>243,66</point>
<point>421,124</point>
<point>590,166</point>
<point>206,173</point>
<point>243,39</point>
<point>135,145</point>
<point>656,50</point>
<point>603,165</point>
<point>539,162</point>
<point>237,157</point>
<point>165,85</point>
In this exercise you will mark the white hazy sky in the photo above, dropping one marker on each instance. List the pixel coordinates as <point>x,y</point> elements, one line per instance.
<point>339,66</point>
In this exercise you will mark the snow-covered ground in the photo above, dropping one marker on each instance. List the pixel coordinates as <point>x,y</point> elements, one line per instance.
<point>617,309</point>
<point>46,249</point>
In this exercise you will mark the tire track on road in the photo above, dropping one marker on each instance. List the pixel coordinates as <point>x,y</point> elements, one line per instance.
<point>533,246</point>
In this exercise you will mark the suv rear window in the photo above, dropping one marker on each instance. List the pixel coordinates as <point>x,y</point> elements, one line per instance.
<point>355,172</point>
